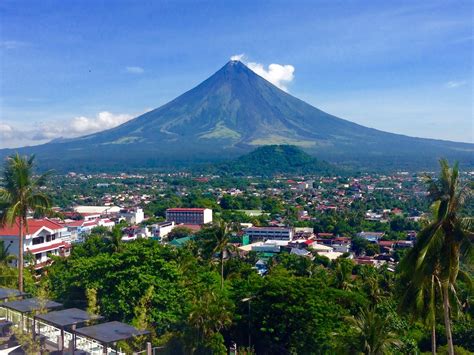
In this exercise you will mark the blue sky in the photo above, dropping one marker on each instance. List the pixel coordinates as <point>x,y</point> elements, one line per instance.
<point>72,67</point>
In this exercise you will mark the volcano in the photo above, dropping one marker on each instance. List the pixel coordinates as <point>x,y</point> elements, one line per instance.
<point>231,113</point>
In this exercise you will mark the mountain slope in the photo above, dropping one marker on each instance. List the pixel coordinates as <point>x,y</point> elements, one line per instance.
<point>231,113</point>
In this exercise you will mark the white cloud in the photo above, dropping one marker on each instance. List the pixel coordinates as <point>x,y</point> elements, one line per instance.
<point>103,120</point>
<point>279,75</point>
<point>6,131</point>
<point>238,57</point>
<point>455,84</point>
<point>135,70</point>
<point>11,136</point>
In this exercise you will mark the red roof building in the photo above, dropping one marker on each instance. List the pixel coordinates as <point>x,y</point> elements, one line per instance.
<point>43,238</point>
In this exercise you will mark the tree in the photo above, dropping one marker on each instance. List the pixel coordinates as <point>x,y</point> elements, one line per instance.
<point>116,238</point>
<point>179,232</point>
<point>442,243</point>
<point>374,335</point>
<point>343,273</point>
<point>20,194</point>
<point>92,305</point>
<point>5,256</point>
<point>216,240</point>
<point>420,299</point>
<point>211,312</point>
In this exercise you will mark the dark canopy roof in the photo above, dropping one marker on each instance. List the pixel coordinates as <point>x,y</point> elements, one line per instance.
<point>6,293</point>
<point>67,317</point>
<point>30,305</point>
<point>110,332</point>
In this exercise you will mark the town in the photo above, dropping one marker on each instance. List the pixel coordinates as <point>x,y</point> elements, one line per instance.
<point>294,214</point>
<point>344,223</point>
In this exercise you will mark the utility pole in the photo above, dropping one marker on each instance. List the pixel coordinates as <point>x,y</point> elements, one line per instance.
<point>248,299</point>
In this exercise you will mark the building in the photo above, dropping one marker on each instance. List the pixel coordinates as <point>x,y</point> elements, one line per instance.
<point>189,215</point>
<point>269,233</point>
<point>43,238</point>
<point>101,210</point>
<point>81,228</point>
<point>161,230</point>
<point>133,216</point>
<point>372,237</point>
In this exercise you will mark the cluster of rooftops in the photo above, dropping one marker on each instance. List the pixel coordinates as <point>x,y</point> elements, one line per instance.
<point>73,324</point>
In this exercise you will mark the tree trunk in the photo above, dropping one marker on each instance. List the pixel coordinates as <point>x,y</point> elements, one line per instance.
<point>433,338</point>
<point>447,320</point>
<point>20,258</point>
<point>222,270</point>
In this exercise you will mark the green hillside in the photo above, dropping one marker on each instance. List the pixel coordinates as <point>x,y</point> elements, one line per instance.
<point>276,159</point>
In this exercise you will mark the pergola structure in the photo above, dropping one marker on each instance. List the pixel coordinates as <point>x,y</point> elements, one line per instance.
<point>108,334</point>
<point>65,320</point>
<point>9,293</point>
<point>27,308</point>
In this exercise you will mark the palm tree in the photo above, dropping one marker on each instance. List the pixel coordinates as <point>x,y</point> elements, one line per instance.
<point>218,242</point>
<point>343,274</point>
<point>211,312</point>
<point>19,195</point>
<point>373,331</point>
<point>116,238</point>
<point>5,256</point>
<point>442,243</point>
<point>421,294</point>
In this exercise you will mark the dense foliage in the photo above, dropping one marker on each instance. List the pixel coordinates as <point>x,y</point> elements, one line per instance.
<point>301,306</point>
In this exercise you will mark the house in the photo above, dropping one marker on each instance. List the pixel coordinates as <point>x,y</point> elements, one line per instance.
<point>161,230</point>
<point>133,215</point>
<point>324,250</point>
<point>189,215</point>
<point>372,237</point>
<point>386,245</point>
<point>43,238</point>
<point>341,244</point>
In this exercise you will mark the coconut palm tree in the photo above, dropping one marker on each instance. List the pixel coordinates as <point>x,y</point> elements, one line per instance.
<point>5,256</point>
<point>421,298</point>
<point>442,243</point>
<point>116,238</point>
<point>20,195</point>
<point>343,274</point>
<point>373,331</point>
<point>217,238</point>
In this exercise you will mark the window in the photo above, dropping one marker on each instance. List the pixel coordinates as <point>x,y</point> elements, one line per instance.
<point>38,240</point>
<point>38,256</point>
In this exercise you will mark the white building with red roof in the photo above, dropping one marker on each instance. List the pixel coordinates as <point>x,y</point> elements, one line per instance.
<point>43,238</point>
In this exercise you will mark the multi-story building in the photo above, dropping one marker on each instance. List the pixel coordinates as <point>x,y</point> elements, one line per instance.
<point>43,238</point>
<point>133,215</point>
<point>269,233</point>
<point>161,230</point>
<point>189,215</point>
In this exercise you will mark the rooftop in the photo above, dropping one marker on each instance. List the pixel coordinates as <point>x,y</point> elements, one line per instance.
<point>33,226</point>
<point>6,293</point>
<point>30,305</point>
<point>111,332</point>
<point>68,317</point>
